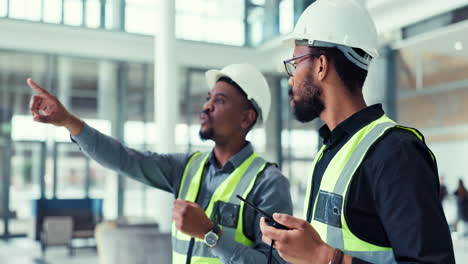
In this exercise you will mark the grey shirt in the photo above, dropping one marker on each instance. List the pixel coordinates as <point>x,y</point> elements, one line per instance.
<point>163,171</point>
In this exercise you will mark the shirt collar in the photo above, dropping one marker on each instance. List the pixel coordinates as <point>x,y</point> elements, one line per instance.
<point>236,160</point>
<point>351,125</point>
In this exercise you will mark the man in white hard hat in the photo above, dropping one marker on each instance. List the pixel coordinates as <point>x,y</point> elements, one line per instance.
<point>372,196</point>
<point>210,225</point>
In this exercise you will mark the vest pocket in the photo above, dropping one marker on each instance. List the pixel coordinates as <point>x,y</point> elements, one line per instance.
<point>226,214</point>
<point>328,210</point>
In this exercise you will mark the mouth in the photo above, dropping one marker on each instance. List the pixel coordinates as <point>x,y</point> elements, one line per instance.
<point>291,97</point>
<point>204,118</point>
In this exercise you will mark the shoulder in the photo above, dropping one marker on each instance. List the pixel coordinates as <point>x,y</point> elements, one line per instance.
<point>271,191</point>
<point>185,158</point>
<point>398,135</point>
<point>272,175</point>
<point>397,145</point>
<point>399,158</point>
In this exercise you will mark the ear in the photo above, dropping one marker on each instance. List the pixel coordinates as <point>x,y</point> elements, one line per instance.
<point>248,117</point>
<point>323,67</point>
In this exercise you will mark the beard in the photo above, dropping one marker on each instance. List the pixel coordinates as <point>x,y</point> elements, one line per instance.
<point>209,133</point>
<point>310,106</point>
<point>206,135</point>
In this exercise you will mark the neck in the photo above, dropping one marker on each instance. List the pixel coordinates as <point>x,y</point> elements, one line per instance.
<point>223,151</point>
<point>340,107</point>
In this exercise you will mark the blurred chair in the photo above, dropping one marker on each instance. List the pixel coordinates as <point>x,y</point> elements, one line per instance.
<point>130,244</point>
<point>85,214</point>
<point>57,231</point>
<point>11,214</point>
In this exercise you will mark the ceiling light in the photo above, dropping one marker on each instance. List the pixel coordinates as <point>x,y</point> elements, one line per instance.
<point>458,45</point>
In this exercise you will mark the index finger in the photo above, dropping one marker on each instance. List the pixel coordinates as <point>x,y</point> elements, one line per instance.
<point>36,87</point>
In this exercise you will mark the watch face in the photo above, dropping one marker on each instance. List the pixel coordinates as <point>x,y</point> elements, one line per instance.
<point>211,239</point>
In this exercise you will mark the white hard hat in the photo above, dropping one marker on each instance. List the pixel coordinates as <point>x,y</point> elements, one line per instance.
<point>251,81</point>
<point>343,24</point>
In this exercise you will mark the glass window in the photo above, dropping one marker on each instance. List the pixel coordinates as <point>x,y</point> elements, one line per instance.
<point>109,15</point>
<point>139,132</point>
<point>97,175</point>
<point>186,24</point>
<point>140,16</point>
<point>93,13</point>
<point>25,9</point>
<point>16,68</point>
<point>258,2</point>
<point>3,10</point>
<point>266,20</point>
<point>298,172</point>
<point>25,175</point>
<point>53,11</point>
<point>71,171</point>
<point>78,79</point>
<point>191,105</point>
<point>216,21</point>
<point>218,32</point>
<point>73,12</point>
<point>256,20</point>
<point>140,98</point>
<point>286,13</point>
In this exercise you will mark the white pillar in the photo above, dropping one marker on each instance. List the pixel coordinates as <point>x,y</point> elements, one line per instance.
<point>118,14</point>
<point>64,81</point>
<point>271,21</point>
<point>273,124</point>
<point>107,105</point>
<point>107,91</point>
<point>166,100</point>
<point>380,85</point>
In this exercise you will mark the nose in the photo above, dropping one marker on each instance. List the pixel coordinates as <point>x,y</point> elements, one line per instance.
<point>291,81</point>
<point>208,106</point>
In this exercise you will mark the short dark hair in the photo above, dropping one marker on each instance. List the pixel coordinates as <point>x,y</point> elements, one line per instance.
<point>249,105</point>
<point>352,76</point>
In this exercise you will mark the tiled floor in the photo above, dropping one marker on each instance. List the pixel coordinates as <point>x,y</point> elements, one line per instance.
<point>25,251</point>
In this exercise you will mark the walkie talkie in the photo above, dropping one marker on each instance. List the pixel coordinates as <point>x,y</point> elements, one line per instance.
<point>269,219</point>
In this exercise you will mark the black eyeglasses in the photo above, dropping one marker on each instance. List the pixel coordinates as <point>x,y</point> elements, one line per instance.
<point>290,65</point>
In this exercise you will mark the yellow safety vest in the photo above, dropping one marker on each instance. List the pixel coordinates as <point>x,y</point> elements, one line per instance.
<point>328,211</point>
<point>241,181</point>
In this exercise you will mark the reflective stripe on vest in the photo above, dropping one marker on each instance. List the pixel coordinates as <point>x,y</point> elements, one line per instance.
<point>328,210</point>
<point>240,181</point>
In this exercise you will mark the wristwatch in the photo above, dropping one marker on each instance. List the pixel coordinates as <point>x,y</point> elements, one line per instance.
<point>212,237</point>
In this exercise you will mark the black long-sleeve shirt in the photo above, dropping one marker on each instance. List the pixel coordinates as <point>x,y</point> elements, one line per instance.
<point>393,198</point>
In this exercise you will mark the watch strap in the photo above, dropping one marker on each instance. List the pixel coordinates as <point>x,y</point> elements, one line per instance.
<point>337,257</point>
<point>216,229</point>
